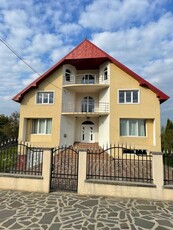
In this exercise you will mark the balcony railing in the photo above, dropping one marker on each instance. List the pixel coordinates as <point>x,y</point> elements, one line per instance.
<point>102,107</point>
<point>86,79</point>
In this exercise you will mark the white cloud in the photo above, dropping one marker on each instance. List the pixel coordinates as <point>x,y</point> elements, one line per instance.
<point>138,46</point>
<point>107,15</point>
<point>59,53</point>
<point>70,28</point>
<point>137,33</point>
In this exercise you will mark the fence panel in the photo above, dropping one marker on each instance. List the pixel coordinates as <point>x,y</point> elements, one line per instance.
<point>168,169</point>
<point>20,158</point>
<point>64,169</point>
<point>119,164</point>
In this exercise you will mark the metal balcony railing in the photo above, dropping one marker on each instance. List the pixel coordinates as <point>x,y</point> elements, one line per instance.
<point>102,107</point>
<point>86,79</point>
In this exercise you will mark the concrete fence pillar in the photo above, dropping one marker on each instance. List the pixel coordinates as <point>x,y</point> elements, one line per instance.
<point>82,171</point>
<point>46,169</point>
<point>158,169</point>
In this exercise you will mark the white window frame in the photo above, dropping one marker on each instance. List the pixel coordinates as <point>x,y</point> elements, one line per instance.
<point>137,121</point>
<point>131,97</point>
<point>105,73</point>
<point>45,128</point>
<point>102,72</point>
<point>67,75</point>
<point>42,98</point>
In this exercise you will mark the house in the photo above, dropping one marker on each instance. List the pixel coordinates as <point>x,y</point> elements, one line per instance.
<point>88,96</point>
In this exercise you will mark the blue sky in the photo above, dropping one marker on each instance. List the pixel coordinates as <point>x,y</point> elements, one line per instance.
<point>137,33</point>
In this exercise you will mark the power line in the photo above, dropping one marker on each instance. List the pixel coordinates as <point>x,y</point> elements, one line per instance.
<point>17,55</point>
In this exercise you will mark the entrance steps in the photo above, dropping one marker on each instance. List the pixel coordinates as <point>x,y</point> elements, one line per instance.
<point>85,146</point>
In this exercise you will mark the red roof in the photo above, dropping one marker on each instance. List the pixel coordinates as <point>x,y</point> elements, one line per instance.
<point>88,56</point>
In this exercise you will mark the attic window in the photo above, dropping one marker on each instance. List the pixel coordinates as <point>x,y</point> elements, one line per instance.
<point>105,73</point>
<point>67,75</point>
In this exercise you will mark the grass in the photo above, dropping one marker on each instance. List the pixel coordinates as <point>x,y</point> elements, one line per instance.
<point>8,158</point>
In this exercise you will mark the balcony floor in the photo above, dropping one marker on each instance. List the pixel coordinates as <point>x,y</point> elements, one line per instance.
<point>80,114</point>
<point>90,88</point>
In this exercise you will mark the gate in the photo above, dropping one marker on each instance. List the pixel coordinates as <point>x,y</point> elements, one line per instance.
<point>64,175</point>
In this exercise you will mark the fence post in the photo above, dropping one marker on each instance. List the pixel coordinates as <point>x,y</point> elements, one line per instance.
<point>46,169</point>
<point>82,171</point>
<point>158,169</point>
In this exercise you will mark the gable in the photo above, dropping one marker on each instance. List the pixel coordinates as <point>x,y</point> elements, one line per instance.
<point>88,56</point>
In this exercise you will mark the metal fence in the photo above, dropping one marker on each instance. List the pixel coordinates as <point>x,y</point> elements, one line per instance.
<point>64,174</point>
<point>119,164</point>
<point>20,158</point>
<point>168,169</point>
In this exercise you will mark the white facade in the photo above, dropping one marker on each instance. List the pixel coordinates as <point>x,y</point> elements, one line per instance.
<point>85,105</point>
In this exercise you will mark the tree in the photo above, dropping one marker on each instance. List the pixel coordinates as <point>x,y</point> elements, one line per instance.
<point>167,137</point>
<point>3,122</point>
<point>9,126</point>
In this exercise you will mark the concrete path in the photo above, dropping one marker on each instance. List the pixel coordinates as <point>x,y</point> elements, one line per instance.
<point>37,211</point>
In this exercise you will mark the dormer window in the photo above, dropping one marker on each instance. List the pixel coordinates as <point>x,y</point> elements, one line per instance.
<point>105,73</point>
<point>67,75</point>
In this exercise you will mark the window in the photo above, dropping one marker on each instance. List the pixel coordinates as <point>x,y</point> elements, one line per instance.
<point>45,98</point>
<point>88,79</point>
<point>67,75</point>
<point>87,104</point>
<point>128,96</point>
<point>41,126</point>
<point>105,73</point>
<point>132,127</point>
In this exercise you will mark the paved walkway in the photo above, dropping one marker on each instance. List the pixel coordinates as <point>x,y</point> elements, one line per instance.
<point>37,211</point>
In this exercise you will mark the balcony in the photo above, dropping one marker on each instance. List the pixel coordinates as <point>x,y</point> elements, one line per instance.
<point>85,79</point>
<point>95,109</point>
<point>82,82</point>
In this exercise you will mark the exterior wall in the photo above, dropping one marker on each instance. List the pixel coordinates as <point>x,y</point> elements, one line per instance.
<point>104,95</point>
<point>29,183</point>
<point>67,132</point>
<point>148,108</point>
<point>124,189</point>
<point>29,109</point>
<point>104,130</point>
<point>68,100</point>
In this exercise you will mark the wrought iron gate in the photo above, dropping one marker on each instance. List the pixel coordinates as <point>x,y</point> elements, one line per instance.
<point>64,174</point>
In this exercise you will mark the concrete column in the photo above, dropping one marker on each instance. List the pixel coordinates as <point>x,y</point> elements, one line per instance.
<point>158,169</point>
<point>82,171</point>
<point>46,169</point>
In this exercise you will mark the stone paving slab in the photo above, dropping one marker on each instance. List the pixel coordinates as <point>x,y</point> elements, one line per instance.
<point>68,211</point>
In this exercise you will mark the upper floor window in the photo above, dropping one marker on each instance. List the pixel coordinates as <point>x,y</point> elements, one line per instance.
<point>132,127</point>
<point>87,104</point>
<point>105,73</point>
<point>128,96</point>
<point>41,126</point>
<point>67,74</point>
<point>45,98</point>
<point>88,79</point>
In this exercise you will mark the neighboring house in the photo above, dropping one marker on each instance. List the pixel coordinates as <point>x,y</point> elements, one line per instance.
<point>88,96</point>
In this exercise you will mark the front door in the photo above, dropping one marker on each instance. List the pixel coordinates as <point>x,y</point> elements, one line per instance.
<point>87,132</point>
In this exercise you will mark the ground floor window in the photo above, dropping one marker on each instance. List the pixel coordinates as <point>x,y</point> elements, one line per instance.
<point>41,126</point>
<point>132,127</point>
